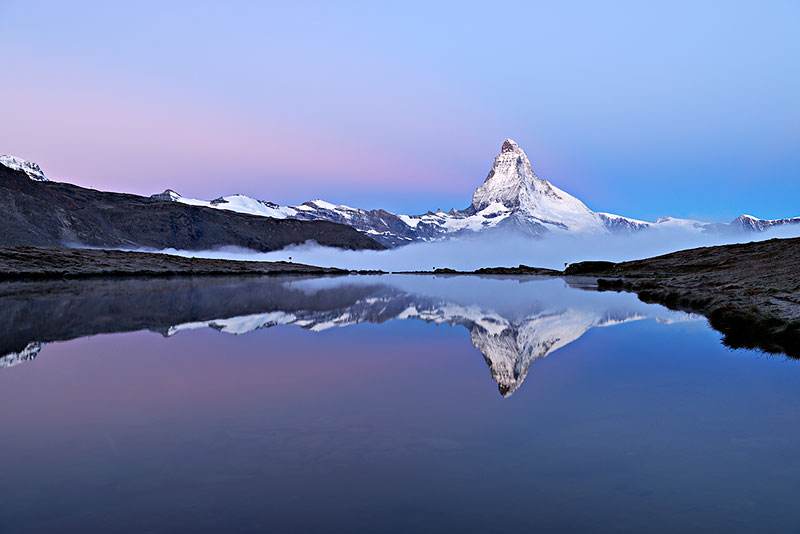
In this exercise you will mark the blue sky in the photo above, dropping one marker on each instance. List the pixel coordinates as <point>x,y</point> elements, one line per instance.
<point>641,108</point>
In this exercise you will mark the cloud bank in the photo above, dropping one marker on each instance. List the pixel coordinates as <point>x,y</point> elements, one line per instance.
<point>496,249</point>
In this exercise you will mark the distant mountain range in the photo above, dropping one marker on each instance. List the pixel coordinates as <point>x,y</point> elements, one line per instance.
<point>512,197</point>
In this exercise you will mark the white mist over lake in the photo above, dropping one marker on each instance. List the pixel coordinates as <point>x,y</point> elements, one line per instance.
<point>496,249</point>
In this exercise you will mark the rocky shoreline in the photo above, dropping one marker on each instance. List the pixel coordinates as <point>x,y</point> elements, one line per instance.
<point>25,263</point>
<point>750,292</point>
<point>521,270</point>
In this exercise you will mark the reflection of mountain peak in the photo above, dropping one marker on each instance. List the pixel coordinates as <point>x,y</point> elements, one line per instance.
<point>510,353</point>
<point>508,347</point>
<point>511,330</point>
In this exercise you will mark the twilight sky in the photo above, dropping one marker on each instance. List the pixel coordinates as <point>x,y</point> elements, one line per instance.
<point>681,108</point>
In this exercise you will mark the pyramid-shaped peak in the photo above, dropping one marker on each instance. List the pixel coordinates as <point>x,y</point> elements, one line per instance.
<point>509,145</point>
<point>510,175</point>
<point>512,183</point>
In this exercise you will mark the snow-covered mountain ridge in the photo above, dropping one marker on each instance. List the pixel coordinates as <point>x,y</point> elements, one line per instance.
<point>33,170</point>
<point>511,197</point>
<point>750,223</point>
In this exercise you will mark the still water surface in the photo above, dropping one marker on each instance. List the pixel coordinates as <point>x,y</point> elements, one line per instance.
<point>384,404</point>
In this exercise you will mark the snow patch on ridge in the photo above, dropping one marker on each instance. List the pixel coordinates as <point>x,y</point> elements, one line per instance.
<point>237,203</point>
<point>33,170</point>
<point>754,224</point>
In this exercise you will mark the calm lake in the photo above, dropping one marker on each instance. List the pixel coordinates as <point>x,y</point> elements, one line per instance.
<point>384,404</point>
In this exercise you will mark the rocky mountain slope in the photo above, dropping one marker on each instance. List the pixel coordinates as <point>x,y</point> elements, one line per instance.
<point>40,212</point>
<point>512,197</point>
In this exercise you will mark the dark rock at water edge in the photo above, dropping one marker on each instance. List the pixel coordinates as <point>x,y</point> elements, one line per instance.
<point>750,292</point>
<point>47,263</point>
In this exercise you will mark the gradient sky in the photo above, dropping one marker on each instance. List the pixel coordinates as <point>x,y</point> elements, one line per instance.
<point>640,108</point>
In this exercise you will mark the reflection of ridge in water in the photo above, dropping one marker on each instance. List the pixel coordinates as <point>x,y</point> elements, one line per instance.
<point>34,313</point>
<point>30,352</point>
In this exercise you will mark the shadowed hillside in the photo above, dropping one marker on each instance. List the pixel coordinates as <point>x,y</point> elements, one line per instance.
<point>49,214</point>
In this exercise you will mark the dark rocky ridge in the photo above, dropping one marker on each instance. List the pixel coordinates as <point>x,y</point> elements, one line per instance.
<point>51,214</point>
<point>750,292</point>
<point>39,263</point>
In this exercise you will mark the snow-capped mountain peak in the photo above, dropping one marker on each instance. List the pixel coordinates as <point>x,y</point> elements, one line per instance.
<point>510,174</point>
<point>513,183</point>
<point>620,223</point>
<point>509,145</point>
<point>751,223</point>
<point>33,170</point>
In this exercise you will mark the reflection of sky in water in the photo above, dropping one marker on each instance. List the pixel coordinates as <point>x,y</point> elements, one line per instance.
<point>395,426</point>
<point>512,322</point>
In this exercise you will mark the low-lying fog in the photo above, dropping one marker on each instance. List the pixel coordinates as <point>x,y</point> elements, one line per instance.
<point>494,249</point>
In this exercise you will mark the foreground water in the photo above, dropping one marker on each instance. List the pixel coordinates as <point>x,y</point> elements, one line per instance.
<point>383,404</point>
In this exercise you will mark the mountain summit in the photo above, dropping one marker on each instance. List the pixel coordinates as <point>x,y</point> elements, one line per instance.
<point>510,175</point>
<point>533,201</point>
